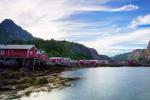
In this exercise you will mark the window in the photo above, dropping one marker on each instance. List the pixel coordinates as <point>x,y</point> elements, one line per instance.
<point>10,51</point>
<point>1,51</point>
<point>31,52</point>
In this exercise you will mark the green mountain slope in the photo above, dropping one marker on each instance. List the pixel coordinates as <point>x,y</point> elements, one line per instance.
<point>65,49</point>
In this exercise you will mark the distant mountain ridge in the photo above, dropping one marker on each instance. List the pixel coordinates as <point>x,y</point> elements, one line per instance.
<point>139,55</point>
<point>14,34</point>
<point>10,31</point>
<point>78,48</point>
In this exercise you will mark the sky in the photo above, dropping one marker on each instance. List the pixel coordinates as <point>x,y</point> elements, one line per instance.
<point>110,26</point>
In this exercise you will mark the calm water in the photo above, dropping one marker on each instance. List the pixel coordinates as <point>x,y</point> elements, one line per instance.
<point>123,83</point>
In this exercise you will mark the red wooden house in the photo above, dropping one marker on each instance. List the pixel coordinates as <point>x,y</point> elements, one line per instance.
<point>55,59</point>
<point>132,62</point>
<point>87,62</point>
<point>18,51</point>
<point>66,60</point>
<point>21,51</point>
<point>42,55</point>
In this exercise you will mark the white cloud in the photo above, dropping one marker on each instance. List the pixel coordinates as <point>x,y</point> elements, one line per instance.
<point>38,16</point>
<point>141,20</point>
<point>88,2</point>
<point>113,42</point>
<point>129,7</point>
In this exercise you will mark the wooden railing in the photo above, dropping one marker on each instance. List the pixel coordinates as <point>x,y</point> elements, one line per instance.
<point>24,55</point>
<point>15,55</point>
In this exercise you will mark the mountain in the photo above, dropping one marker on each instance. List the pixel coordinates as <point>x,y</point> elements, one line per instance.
<point>10,31</point>
<point>139,55</point>
<point>14,34</point>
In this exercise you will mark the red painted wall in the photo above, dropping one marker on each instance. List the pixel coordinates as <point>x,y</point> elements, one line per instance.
<point>18,53</point>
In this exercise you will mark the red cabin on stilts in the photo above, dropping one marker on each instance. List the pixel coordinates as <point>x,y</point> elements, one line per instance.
<point>18,51</point>
<point>21,51</point>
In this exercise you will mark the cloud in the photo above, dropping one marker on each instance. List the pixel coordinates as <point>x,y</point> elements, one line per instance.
<point>141,20</point>
<point>128,7</point>
<point>43,18</point>
<point>112,42</point>
<point>88,2</point>
<point>39,16</point>
<point>36,16</point>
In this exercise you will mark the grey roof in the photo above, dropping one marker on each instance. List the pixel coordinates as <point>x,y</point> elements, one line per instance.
<point>55,57</point>
<point>2,46</point>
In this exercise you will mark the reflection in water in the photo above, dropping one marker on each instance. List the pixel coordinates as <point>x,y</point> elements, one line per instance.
<point>122,83</point>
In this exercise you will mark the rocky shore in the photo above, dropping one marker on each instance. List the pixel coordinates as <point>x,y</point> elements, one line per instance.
<point>17,83</point>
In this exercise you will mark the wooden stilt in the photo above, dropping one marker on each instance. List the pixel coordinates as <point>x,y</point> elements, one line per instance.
<point>23,61</point>
<point>33,64</point>
<point>39,62</point>
<point>4,60</point>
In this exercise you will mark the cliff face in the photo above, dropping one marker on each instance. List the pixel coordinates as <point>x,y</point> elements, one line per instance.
<point>146,55</point>
<point>95,55</point>
<point>148,47</point>
<point>89,52</point>
<point>140,55</point>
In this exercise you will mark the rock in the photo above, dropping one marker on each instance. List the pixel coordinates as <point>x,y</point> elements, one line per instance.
<point>140,55</point>
<point>40,81</point>
<point>50,64</point>
<point>6,88</point>
<point>148,47</point>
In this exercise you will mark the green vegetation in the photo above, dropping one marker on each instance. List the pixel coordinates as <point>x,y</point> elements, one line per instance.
<point>59,48</point>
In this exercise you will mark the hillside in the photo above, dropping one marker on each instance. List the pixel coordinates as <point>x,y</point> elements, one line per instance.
<point>140,55</point>
<point>65,49</point>
<point>14,34</point>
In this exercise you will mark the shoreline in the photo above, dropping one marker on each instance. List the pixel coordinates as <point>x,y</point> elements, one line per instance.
<point>17,83</point>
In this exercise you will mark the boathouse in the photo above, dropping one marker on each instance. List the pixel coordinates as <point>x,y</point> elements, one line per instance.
<point>59,60</point>
<point>55,59</point>
<point>66,60</point>
<point>18,51</point>
<point>26,54</point>
<point>132,63</point>
<point>87,62</point>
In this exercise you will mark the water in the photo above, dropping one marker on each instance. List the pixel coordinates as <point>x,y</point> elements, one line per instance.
<point>123,83</point>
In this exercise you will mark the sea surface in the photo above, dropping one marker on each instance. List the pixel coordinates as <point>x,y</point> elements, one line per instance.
<point>103,83</point>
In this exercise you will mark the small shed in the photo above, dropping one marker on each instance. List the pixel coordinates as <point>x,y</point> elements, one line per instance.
<point>55,59</point>
<point>66,60</point>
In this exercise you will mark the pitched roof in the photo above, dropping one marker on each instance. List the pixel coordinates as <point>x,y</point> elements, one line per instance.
<point>2,46</point>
